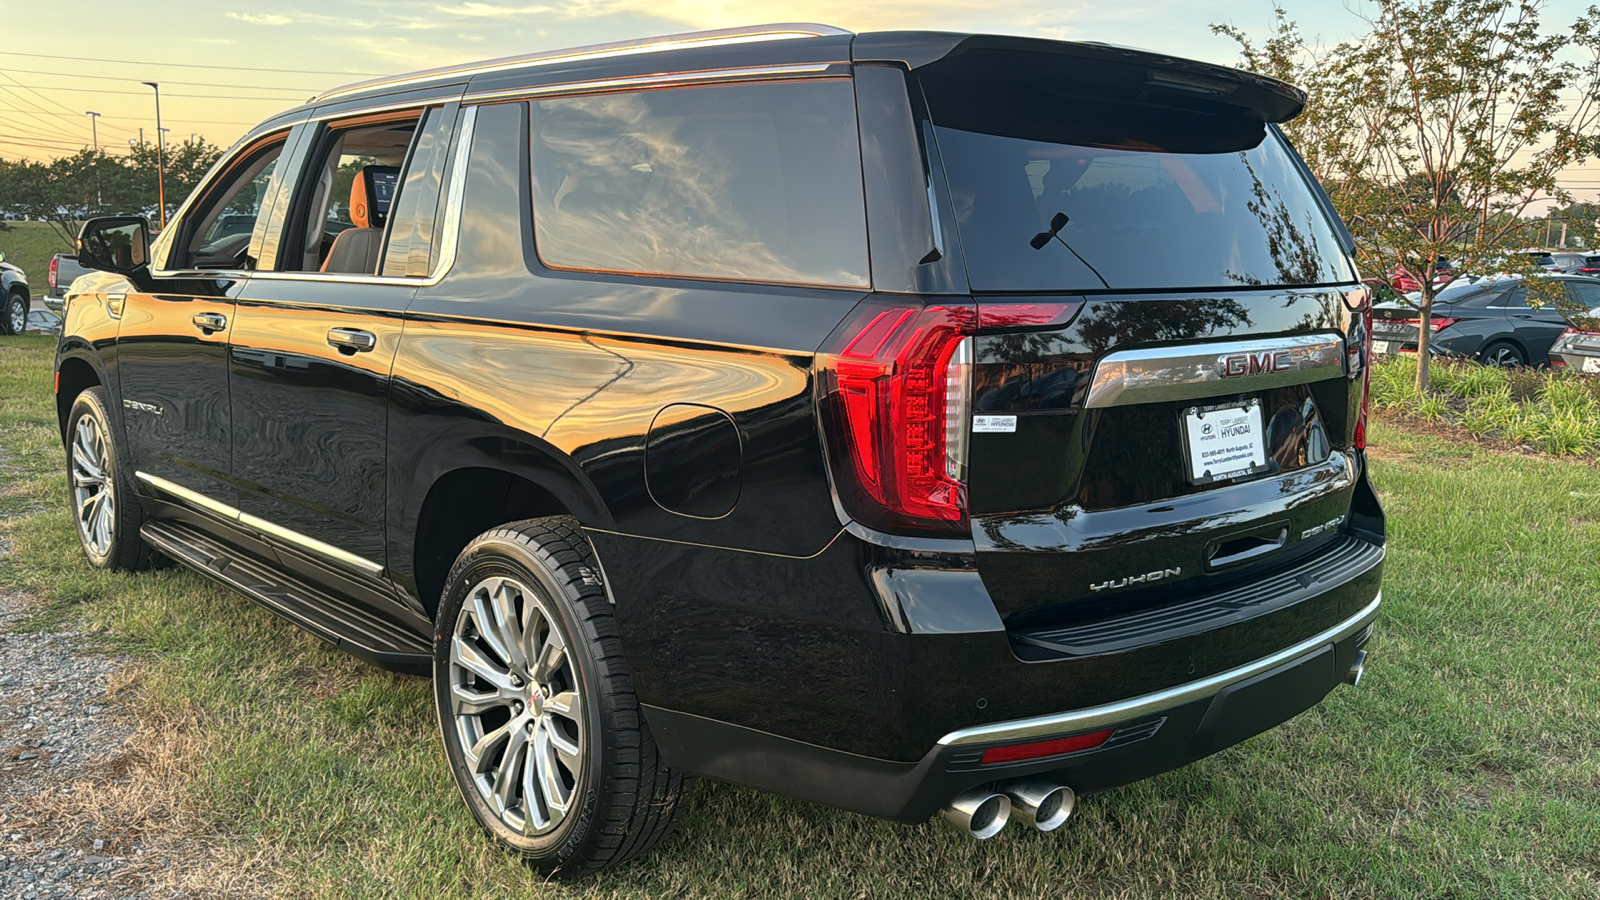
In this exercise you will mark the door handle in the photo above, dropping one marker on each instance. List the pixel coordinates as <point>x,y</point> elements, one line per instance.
<point>351,340</point>
<point>115,303</point>
<point>209,322</point>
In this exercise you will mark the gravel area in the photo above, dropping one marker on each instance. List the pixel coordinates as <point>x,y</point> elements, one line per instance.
<point>56,728</point>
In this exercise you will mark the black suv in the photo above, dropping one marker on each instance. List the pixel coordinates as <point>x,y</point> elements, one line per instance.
<point>906,422</point>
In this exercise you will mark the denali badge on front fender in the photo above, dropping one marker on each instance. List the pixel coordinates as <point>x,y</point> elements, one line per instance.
<point>1146,578</point>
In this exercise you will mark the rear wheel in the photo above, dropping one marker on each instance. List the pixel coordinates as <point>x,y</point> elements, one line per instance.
<point>107,516</point>
<point>1504,354</point>
<point>14,319</point>
<point>541,727</point>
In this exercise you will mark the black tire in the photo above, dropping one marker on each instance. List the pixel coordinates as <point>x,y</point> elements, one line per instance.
<point>1504,354</point>
<point>623,799</point>
<point>14,318</point>
<point>114,543</point>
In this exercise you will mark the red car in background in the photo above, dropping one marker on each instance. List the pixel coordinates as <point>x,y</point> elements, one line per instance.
<point>1405,282</point>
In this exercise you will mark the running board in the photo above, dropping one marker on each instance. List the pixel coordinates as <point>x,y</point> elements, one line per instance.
<point>347,625</point>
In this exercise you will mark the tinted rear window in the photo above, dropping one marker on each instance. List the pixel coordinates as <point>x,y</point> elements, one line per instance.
<point>1154,198</point>
<point>754,182</point>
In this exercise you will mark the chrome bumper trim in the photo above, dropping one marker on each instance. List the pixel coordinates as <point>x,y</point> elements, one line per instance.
<point>1160,701</point>
<point>1197,371</point>
<point>328,551</point>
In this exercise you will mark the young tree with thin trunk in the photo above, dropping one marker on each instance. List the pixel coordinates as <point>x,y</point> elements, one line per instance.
<point>1436,132</point>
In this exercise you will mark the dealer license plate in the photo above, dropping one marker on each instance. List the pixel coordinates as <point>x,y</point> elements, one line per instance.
<point>1380,347</point>
<point>1224,441</point>
<point>1591,364</point>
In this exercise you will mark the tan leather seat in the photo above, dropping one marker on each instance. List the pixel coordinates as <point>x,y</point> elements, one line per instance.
<point>356,249</point>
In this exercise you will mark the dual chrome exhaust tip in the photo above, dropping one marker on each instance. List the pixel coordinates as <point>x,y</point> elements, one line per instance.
<point>983,813</point>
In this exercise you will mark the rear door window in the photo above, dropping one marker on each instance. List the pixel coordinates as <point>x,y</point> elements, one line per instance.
<point>750,182</point>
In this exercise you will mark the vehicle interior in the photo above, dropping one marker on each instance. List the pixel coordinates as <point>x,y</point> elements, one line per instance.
<point>356,177</point>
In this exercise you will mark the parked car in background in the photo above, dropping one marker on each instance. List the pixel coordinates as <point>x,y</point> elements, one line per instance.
<point>1489,320</point>
<point>64,269</point>
<point>1589,266</point>
<point>1578,349</point>
<point>1568,262</point>
<point>44,321</point>
<point>14,298</point>
<point>804,413</point>
<point>1403,281</point>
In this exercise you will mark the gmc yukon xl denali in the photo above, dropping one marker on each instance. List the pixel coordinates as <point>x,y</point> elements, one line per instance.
<point>911,422</point>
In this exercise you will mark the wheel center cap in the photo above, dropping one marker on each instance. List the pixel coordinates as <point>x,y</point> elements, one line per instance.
<point>536,700</point>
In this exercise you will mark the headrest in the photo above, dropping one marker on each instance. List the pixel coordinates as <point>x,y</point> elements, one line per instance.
<point>370,195</point>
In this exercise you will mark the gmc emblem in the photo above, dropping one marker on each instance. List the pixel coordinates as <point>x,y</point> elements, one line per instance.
<point>1254,363</point>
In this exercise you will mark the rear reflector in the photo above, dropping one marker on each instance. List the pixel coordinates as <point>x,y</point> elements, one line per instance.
<point>1040,749</point>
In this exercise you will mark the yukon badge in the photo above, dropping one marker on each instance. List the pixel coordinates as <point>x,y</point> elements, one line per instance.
<point>1146,578</point>
<point>1265,362</point>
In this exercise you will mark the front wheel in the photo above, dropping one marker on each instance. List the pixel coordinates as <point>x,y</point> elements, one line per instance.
<point>541,728</point>
<point>102,500</point>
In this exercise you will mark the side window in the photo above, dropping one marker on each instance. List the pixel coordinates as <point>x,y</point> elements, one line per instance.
<point>757,182</point>
<point>220,238</point>
<point>1516,298</point>
<point>1584,293</point>
<point>347,190</point>
<point>411,234</point>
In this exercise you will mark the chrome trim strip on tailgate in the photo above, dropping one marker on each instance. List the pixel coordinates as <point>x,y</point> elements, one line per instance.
<point>1160,701</point>
<point>195,498</point>
<point>1195,371</point>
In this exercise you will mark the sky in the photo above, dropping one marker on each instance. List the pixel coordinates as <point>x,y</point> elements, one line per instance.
<point>224,67</point>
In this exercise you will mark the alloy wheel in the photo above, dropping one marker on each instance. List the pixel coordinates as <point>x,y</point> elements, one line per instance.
<point>518,707</point>
<point>91,488</point>
<point>17,311</point>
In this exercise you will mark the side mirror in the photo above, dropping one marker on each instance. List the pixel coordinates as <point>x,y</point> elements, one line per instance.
<point>119,244</point>
<point>2,256</point>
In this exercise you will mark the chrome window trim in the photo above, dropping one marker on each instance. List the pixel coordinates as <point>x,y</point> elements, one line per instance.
<point>644,82</point>
<point>1193,371</point>
<point>759,33</point>
<point>447,238</point>
<point>256,523</point>
<point>1159,701</point>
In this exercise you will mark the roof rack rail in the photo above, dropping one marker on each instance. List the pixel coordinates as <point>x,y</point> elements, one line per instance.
<point>745,35</point>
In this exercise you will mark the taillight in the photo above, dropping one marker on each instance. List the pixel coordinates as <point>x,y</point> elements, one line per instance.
<point>1440,324</point>
<point>55,268</point>
<point>895,393</point>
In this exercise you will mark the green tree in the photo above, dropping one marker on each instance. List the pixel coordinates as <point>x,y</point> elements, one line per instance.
<point>1436,132</point>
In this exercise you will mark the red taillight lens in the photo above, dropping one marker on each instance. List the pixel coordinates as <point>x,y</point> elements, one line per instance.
<point>55,268</point>
<point>895,394</point>
<point>1440,324</point>
<point>1040,749</point>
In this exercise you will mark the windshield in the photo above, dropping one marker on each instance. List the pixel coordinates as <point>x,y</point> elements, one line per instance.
<point>1145,206</point>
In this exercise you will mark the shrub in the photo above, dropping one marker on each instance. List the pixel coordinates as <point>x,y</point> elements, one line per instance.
<point>1556,412</point>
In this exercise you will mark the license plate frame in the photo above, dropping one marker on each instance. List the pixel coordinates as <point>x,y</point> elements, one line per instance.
<point>1202,450</point>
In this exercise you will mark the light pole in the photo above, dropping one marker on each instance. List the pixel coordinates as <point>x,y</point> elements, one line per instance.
<point>161,165</point>
<point>94,128</point>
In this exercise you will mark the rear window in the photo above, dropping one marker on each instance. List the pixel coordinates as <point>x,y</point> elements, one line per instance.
<point>1154,198</point>
<point>757,182</point>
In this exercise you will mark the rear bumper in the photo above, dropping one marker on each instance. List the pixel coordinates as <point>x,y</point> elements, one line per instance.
<point>1152,733</point>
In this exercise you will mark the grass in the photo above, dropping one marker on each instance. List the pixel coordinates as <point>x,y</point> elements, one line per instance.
<point>30,246</point>
<point>1466,765</point>
<point>1555,412</point>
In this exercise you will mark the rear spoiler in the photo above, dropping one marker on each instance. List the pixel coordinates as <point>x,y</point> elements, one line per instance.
<point>1103,71</point>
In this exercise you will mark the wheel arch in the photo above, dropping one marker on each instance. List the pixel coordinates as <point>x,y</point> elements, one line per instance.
<point>459,489</point>
<point>77,372</point>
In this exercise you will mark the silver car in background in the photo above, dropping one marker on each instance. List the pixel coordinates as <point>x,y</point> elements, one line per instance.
<point>1577,349</point>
